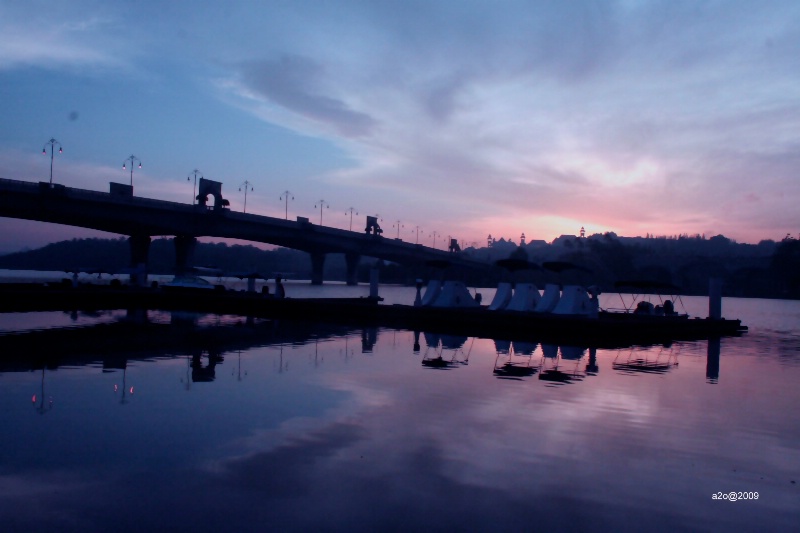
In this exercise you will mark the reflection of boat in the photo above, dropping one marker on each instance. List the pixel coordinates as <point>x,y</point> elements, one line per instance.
<point>453,342</point>
<point>524,347</point>
<point>561,365</point>
<point>557,364</point>
<point>438,344</point>
<point>556,376</point>
<point>514,359</point>
<point>641,360</point>
<point>509,370</point>
<point>437,362</point>
<point>502,346</point>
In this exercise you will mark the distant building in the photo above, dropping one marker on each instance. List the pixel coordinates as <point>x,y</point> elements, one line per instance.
<point>563,239</point>
<point>522,239</point>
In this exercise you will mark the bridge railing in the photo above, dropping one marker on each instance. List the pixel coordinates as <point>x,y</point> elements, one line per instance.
<point>18,185</point>
<point>78,193</point>
<point>71,192</point>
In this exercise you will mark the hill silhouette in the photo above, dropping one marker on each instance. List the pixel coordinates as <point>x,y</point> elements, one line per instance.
<point>769,269</point>
<point>113,255</point>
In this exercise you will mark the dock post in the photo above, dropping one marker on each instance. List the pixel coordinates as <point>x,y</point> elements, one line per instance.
<point>715,298</point>
<point>712,360</point>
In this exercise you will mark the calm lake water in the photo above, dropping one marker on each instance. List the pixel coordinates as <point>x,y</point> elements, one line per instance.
<point>175,422</point>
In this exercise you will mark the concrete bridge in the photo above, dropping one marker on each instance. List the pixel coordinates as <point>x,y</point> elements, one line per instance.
<point>118,211</point>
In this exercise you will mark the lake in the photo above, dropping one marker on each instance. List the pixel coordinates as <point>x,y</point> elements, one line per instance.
<point>179,422</point>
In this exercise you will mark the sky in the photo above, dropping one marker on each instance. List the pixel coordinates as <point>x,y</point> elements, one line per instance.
<point>458,119</point>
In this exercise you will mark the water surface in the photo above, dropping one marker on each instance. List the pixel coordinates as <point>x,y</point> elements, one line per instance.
<point>204,423</point>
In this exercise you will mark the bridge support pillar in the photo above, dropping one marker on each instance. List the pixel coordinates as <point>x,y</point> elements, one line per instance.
<point>317,266</point>
<point>184,252</point>
<point>140,249</point>
<point>352,260</point>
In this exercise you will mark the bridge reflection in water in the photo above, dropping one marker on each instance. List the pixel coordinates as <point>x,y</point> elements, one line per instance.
<point>205,340</point>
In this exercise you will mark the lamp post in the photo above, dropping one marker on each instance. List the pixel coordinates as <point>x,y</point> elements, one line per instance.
<point>434,234</point>
<point>194,189</point>
<point>246,185</point>
<point>52,142</point>
<point>42,408</point>
<point>285,198</point>
<point>133,159</point>
<point>125,390</point>
<point>416,229</point>
<point>322,203</point>
<point>351,210</point>
<point>398,225</point>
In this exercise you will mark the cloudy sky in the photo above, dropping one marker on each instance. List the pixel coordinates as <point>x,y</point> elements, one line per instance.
<point>465,118</point>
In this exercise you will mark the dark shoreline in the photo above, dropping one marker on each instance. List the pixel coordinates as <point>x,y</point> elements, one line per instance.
<point>609,330</point>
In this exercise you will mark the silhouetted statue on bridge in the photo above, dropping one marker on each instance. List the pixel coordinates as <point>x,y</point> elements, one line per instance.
<point>372,226</point>
<point>213,188</point>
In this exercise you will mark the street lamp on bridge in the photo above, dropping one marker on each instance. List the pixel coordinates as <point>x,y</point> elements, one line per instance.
<point>194,189</point>
<point>285,198</point>
<point>417,228</point>
<point>351,210</point>
<point>133,159</point>
<point>378,218</point>
<point>398,225</point>
<point>435,234</point>
<point>322,203</point>
<point>52,143</point>
<point>246,185</point>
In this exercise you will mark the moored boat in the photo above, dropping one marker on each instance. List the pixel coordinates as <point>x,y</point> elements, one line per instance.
<point>571,312</point>
<point>188,283</point>
<point>458,313</point>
